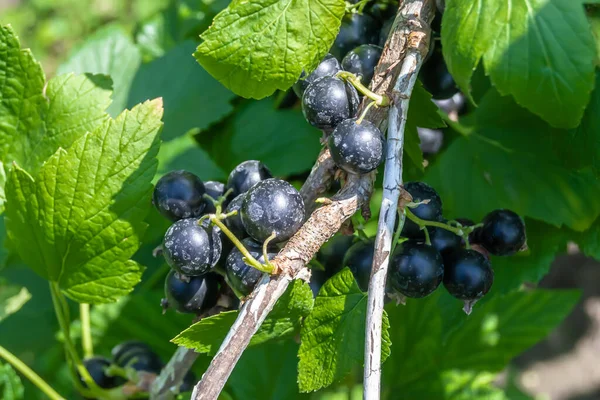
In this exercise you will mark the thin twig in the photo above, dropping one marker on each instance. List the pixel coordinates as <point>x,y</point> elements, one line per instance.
<point>171,376</point>
<point>413,34</point>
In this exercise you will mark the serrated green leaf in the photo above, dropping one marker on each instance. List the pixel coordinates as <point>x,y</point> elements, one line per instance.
<point>81,219</point>
<point>193,99</point>
<point>589,241</point>
<point>108,51</point>
<point>508,162</point>
<point>12,298</point>
<point>267,372</point>
<point>333,335</point>
<point>259,131</point>
<point>540,51</point>
<point>207,335</point>
<point>256,47</point>
<point>422,111</point>
<point>11,386</point>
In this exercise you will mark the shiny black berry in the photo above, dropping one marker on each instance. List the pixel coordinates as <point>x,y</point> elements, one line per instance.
<point>436,78</point>
<point>415,270</point>
<point>431,211</point>
<point>359,259</point>
<point>137,355</point>
<point>502,233</point>
<point>234,222</point>
<point>468,276</point>
<point>444,240</point>
<point>328,67</point>
<point>272,206</point>
<point>192,249</point>
<point>191,294</point>
<point>97,366</point>
<point>431,140</point>
<point>362,61</point>
<point>331,255</point>
<point>246,175</point>
<point>356,29</point>
<point>328,101</point>
<point>242,277</point>
<point>214,190</point>
<point>355,147</point>
<point>178,195</point>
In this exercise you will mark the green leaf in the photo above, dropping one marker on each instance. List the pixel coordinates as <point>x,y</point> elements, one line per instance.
<point>192,98</point>
<point>207,335</point>
<point>259,131</point>
<point>11,386</point>
<point>267,372</point>
<point>256,47</point>
<point>333,334</point>
<point>12,299</point>
<point>589,241</point>
<point>81,219</point>
<point>542,52</point>
<point>108,51</point>
<point>508,162</point>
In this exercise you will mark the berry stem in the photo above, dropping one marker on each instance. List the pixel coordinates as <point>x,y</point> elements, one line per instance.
<point>462,231</point>
<point>30,374</point>
<point>264,249</point>
<point>248,259</point>
<point>86,331</point>
<point>401,219</point>
<point>364,113</point>
<point>380,100</point>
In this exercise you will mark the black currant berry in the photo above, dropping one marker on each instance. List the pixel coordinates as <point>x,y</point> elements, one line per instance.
<point>416,269</point>
<point>242,277</point>
<point>328,67</point>
<point>192,249</point>
<point>234,223</point>
<point>136,355</point>
<point>328,101</point>
<point>502,233</point>
<point>359,259</point>
<point>178,195</point>
<point>431,211</point>
<point>431,140</point>
<point>214,190</point>
<point>331,255</point>
<point>444,240</point>
<point>436,78</point>
<point>382,11</point>
<point>456,103</point>
<point>362,61</point>
<point>272,206</point>
<point>356,29</point>
<point>355,147</point>
<point>317,279</point>
<point>191,294</point>
<point>97,366</point>
<point>468,276</point>
<point>246,175</point>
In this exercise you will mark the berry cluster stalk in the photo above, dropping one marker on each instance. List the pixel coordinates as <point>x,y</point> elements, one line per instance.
<point>414,18</point>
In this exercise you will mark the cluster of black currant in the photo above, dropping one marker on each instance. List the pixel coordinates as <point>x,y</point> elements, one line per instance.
<point>434,250</point>
<point>129,360</point>
<point>223,236</point>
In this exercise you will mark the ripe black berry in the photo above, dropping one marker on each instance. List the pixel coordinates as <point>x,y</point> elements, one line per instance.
<point>362,61</point>
<point>96,366</point>
<point>193,294</point>
<point>242,277</point>
<point>246,175</point>
<point>178,195</point>
<point>272,206</point>
<point>234,223</point>
<point>431,140</point>
<point>431,211</point>
<point>331,255</point>
<point>359,259</point>
<point>328,67</point>
<point>416,269</point>
<point>356,29</point>
<point>214,190</point>
<point>328,101</point>
<point>502,233</point>
<point>355,147</point>
<point>192,249</point>
<point>444,240</point>
<point>468,276</point>
<point>436,78</point>
<point>136,355</point>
